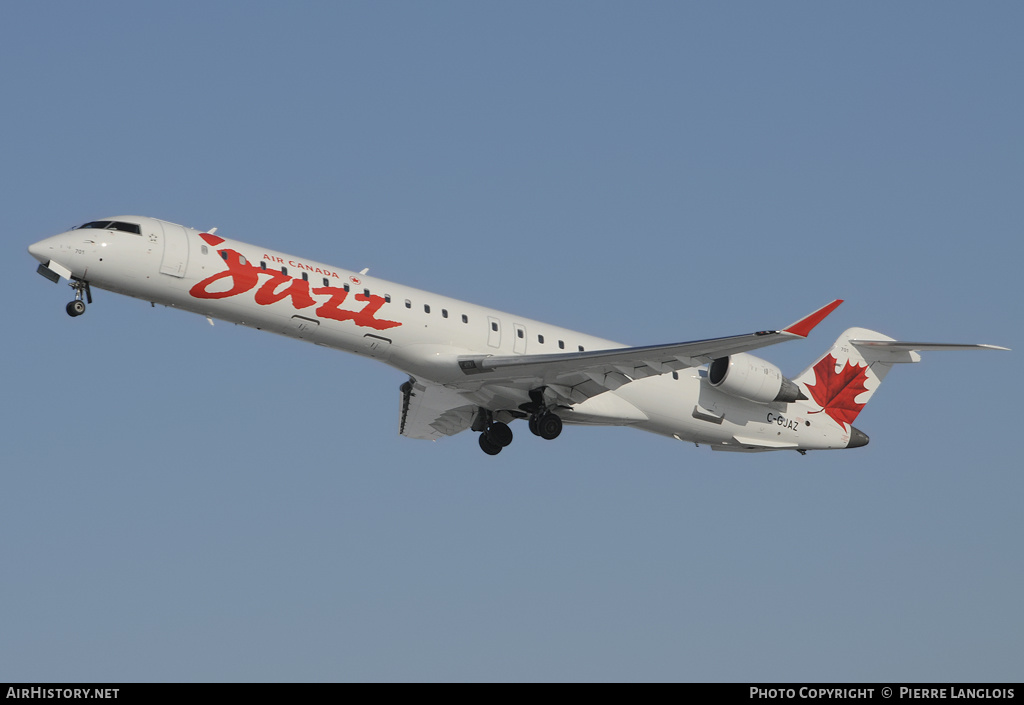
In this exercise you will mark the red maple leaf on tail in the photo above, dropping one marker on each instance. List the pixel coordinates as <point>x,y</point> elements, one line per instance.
<point>835,391</point>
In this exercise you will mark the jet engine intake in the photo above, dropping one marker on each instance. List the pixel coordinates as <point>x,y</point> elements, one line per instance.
<point>751,378</point>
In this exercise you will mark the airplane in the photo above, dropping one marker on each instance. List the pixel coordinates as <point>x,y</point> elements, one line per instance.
<point>472,367</point>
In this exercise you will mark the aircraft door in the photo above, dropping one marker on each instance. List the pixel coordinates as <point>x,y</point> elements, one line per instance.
<point>519,342</point>
<point>493,332</point>
<point>175,250</point>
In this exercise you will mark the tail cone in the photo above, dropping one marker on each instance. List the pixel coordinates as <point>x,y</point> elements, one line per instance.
<point>857,438</point>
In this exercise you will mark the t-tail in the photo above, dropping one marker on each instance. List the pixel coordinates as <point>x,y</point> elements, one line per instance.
<point>842,381</point>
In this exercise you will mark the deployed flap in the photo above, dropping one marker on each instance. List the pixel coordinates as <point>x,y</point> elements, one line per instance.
<point>430,411</point>
<point>581,375</point>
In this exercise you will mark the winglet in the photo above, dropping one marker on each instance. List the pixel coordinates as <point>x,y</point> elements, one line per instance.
<point>803,327</point>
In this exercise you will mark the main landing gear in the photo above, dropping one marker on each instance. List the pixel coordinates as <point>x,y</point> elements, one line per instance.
<point>547,425</point>
<point>82,290</point>
<point>495,435</point>
<point>543,422</point>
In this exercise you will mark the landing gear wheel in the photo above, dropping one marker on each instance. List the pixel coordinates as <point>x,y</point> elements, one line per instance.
<point>533,425</point>
<point>75,308</point>
<point>487,446</point>
<point>498,434</point>
<point>548,425</point>
<point>82,294</point>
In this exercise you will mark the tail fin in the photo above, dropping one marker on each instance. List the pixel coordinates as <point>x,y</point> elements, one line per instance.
<point>842,381</point>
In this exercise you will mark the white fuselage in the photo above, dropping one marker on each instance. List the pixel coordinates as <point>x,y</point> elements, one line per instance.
<point>418,332</point>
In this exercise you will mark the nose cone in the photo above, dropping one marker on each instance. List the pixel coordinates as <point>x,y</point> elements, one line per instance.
<point>44,249</point>
<point>857,438</point>
<point>37,249</point>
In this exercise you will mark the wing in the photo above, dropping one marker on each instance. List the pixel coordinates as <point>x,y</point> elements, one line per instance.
<point>504,381</point>
<point>430,411</point>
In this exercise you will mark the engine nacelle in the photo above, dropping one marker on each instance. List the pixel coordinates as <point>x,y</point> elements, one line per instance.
<point>752,378</point>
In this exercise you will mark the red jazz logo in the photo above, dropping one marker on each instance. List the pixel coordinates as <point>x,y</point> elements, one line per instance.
<point>243,277</point>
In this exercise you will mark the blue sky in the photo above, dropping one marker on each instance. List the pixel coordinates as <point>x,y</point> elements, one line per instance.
<point>183,502</point>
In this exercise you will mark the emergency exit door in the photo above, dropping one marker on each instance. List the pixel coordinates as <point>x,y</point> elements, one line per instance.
<point>175,250</point>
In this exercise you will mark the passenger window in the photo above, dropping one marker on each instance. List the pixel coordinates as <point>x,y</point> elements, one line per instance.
<point>241,258</point>
<point>224,255</point>
<point>284,270</point>
<point>465,318</point>
<point>561,345</point>
<point>263,266</point>
<point>444,313</point>
<point>387,298</point>
<point>540,338</point>
<point>426,308</point>
<point>519,332</point>
<point>205,250</point>
<point>494,326</point>
<point>345,287</point>
<point>581,348</point>
<point>326,282</point>
<point>305,277</point>
<point>366,293</point>
<point>408,303</point>
<point>675,375</point>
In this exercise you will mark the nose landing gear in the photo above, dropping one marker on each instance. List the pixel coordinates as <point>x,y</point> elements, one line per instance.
<point>75,308</point>
<point>82,290</point>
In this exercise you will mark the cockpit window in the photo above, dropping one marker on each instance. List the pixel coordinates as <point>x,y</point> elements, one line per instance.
<point>113,225</point>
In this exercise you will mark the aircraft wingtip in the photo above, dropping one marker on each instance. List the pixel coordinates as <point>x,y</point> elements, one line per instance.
<point>804,326</point>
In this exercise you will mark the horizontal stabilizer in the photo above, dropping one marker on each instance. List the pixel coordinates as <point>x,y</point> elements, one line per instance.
<point>905,346</point>
<point>896,351</point>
